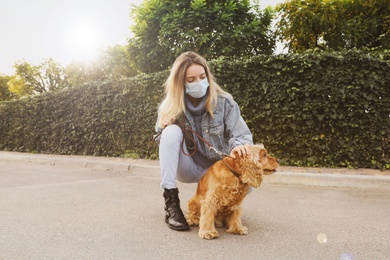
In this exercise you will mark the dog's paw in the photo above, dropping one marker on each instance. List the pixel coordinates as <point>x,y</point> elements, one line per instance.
<point>238,230</point>
<point>208,234</point>
<point>193,222</point>
<point>192,218</point>
<point>219,224</point>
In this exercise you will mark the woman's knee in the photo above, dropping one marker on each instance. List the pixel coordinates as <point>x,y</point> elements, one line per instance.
<point>171,134</point>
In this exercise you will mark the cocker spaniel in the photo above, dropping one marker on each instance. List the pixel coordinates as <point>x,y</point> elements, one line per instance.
<point>223,187</point>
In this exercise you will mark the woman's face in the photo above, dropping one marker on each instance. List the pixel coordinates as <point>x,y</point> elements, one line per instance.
<point>195,73</point>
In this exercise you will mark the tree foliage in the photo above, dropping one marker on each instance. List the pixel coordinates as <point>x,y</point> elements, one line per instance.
<point>163,29</point>
<point>337,25</point>
<point>48,76</point>
<point>5,94</point>
<point>112,64</point>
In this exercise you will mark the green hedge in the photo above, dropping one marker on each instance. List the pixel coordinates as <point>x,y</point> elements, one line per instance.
<point>314,109</point>
<point>106,119</point>
<point>325,109</point>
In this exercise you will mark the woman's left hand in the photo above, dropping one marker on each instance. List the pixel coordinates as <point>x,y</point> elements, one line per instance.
<point>242,150</point>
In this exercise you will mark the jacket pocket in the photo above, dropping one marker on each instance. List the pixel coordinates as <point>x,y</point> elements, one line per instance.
<point>216,134</point>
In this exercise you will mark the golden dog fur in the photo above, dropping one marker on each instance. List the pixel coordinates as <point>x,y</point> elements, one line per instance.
<point>219,194</point>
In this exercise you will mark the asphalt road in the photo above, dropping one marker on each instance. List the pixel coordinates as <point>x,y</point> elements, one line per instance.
<point>65,212</point>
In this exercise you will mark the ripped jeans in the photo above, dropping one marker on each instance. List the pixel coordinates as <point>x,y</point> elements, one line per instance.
<point>174,164</point>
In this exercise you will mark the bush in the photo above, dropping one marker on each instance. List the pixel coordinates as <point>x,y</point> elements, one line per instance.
<point>108,119</point>
<point>314,109</point>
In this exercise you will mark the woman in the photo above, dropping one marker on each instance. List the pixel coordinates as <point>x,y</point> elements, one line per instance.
<point>193,98</point>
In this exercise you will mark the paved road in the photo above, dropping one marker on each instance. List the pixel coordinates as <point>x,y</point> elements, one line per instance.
<point>71,212</point>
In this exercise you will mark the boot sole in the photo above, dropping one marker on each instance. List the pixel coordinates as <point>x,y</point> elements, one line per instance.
<point>178,228</point>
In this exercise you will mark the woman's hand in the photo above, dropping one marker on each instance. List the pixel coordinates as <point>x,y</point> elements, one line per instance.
<point>242,150</point>
<point>165,121</point>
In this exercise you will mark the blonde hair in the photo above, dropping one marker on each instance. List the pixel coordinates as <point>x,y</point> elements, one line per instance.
<point>173,104</point>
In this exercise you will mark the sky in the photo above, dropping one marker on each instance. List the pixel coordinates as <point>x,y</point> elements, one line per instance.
<point>65,30</point>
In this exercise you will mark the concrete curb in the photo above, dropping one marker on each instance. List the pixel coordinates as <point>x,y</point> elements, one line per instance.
<point>288,176</point>
<point>330,180</point>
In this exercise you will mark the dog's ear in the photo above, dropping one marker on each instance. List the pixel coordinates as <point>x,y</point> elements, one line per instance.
<point>251,172</point>
<point>263,152</point>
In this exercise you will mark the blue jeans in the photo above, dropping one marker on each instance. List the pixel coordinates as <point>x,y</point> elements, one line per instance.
<point>175,165</point>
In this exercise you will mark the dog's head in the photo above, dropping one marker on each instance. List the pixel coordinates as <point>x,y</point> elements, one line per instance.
<point>256,163</point>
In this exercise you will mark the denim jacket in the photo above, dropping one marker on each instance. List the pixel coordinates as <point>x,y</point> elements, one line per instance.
<point>226,130</point>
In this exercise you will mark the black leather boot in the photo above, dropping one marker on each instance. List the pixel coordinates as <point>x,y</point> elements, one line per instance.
<point>174,216</point>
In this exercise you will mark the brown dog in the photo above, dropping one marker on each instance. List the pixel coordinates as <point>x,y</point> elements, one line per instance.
<point>221,190</point>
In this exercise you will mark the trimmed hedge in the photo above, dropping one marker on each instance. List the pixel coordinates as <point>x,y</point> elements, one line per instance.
<point>314,109</point>
<point>107,119</point>
<point>325,109</point>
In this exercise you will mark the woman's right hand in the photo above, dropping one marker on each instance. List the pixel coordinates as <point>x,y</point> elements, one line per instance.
<point>165,122</point>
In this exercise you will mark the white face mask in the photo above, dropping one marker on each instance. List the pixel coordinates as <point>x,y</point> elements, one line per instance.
<point>197,89</point>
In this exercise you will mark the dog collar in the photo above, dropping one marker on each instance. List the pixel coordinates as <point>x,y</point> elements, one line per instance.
<point>231,170</point>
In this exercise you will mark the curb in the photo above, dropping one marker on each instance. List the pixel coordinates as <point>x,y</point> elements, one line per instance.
<point>330,180</point>
<point>324,177</point>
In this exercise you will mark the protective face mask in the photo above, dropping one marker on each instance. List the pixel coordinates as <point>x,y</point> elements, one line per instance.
<point>197,89</point>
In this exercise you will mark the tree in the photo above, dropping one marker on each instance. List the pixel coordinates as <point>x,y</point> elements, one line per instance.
<point>48,76</point>
<point>163,29</point>
<point>18,88</point>
<point>367,23</point>
<point>5,94</point>
<point>115,63</point>
<point>337,25</point>
<point>112,63</point>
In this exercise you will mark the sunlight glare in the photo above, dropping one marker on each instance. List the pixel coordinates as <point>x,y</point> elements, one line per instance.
<point>322,238</point>
<point>85,41</point>
<point>346,256</point>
